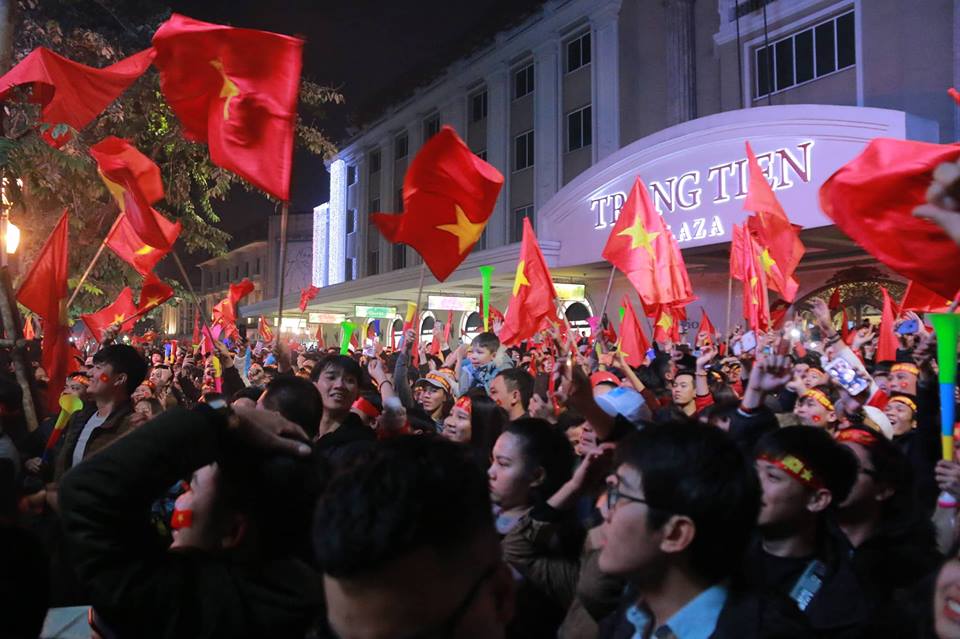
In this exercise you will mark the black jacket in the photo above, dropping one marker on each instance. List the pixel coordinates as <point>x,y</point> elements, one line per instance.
<point>140,589</point>
<point>745,615</point>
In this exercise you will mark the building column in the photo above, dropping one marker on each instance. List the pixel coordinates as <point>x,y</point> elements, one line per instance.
<point>606,81</point>
<point>386,193</point>
<point>498,145</point>
<point>337,229</point>
<point>681,62</point>
<point>546,122</point>
<point>454,112</point>
<point>414,142</point>
<point>358,246</point>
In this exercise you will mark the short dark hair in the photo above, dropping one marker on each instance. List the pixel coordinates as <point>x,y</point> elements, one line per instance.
<point>685,371</point>
<point>544,446</point>
<point>124,359</point>
<point>832,465</point>
<point>248,392</point>
<point>488,341</point>
<point>338,363</point>
<point>297,400</point>
<point>411,493</point>
<point>487,420</point>
<point>518,379</point>
<point>695,470</point>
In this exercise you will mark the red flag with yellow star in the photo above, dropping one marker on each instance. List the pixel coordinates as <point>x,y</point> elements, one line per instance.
<point>920,298</point>
<point>134,182</point>
<point>127,245</point>
<point>667,325</point>
<point>756,307</point>
<point>633,343</point>
<point>153,293</point>
<point>643,248</point>
<point>448,196</point>
<point>778,240</point>
<point>266,334</point>
<point>69,92</point>
<point>44,291</point>
<point>120,312</point>
<point>236,90</point>
<point>533,297</point>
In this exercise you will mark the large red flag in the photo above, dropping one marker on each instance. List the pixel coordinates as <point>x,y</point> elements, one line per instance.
<point>240,291</point>
<point>887,344</point>
<point>236,90</point>
<point>153,293</point>
<point>44,291</point>
<point>69,92</point>
<point>122,311</point>
<point>872,198</point>
<point>756,308</point>
<point>266,335</point>
<point>448,196</point>
<point>737,267</point>
<point>643,248</point>
<point>127,245</point>
<point>778,239</point>
<point>919,298</point>
<point>666,328</point>
<point>633,343</point>
<point>533,294</point>
<point>306,295</point>
<point>134,181</point>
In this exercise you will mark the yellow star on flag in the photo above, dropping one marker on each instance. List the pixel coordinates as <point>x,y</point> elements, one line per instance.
<point>639,236</point>
<point>520,279</point>
<point>767,261</point>
<point>467,232</point>
<point>153,301</point>
<point>229,90</point>
<point>753,289</point>
<point>146,249</point>
<point>118,318</point>
<point>665,321</point>
<point>115,190</point>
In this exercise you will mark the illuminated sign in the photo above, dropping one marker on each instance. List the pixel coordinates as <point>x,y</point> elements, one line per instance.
<point>569,291</point>
<point>447,303</point>
<point>326,318</point>
<point>720,183</point>
<point>376,312</point>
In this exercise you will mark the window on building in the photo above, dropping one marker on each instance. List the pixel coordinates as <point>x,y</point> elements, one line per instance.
<point>246,269</point>
<point>523,81</point>
<point>523,151</point>
<point>431,126</point>
<point>374,161</point>
<point>516,223</point>
<point>373,252</point>
<point>804,56</point>
<point>351,221</point>
<point>236,272</point>
<point>351,174</point>
<point>399,200</point>
<point>579,129</point>
<point>399,256</point>
<point>218,278</point>
<point>375,205</point>
<point>257,272</point>
<point>401,147</point>
<point>578,52</point>
<point>482,154</point>
<point>348,269</point>
<point>478,106</point>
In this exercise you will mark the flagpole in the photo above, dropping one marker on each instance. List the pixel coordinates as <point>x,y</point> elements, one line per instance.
<point>193,293</point>
<point>423,274</point>
<point>729,304</point>
<point>606,296</point>
<point>284,217</point>
<point>93,262</point>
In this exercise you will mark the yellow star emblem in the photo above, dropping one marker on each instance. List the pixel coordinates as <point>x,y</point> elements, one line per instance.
<point>753,289</point>
<point>153,301</point>
<point>639,236</point>
<point>520,279</point>
<point>665,321</point>
<point>118,318</point>
<point>767,261</point>
<point>229,90</point>
<point>467,232</point>
<point>144,250</point>
<point>115,190</point>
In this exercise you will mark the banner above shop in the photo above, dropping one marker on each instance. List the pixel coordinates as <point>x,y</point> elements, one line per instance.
<point>326,318</point>
<point>697,172</point>
<point>448,303</point>
<point>375,312</point>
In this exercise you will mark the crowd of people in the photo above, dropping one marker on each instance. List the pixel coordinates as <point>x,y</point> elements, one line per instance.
<point>545,490</point>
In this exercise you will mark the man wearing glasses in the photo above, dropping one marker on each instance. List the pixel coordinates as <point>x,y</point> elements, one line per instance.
<point>681,507</point>
<point>408,548</point>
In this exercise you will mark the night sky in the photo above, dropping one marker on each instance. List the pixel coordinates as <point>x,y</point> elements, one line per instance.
<point>375,51</point>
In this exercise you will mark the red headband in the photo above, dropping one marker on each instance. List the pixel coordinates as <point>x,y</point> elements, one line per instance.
<point>857,436</point>
<point>796,468</point>
<point>364,406</point>
<point>465,404</point>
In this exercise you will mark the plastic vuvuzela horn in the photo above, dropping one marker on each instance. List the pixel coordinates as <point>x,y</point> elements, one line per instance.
<point>947,328</point>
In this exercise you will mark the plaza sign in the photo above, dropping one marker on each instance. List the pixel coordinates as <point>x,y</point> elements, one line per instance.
<point>569,291</point>
<point>375,312</point>
<point>447,303</point>
<point>326,318</point>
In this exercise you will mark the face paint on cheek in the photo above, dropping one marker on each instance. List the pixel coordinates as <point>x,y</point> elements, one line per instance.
<point>104,378</point>
<point>817,419</point>
<point>181,519</point>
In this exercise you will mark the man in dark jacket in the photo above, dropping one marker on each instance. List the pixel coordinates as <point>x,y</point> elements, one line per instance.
<point>680,509</point>
<point>237,569</point>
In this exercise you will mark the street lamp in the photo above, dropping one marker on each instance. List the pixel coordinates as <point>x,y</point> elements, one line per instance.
<point>13,237</point>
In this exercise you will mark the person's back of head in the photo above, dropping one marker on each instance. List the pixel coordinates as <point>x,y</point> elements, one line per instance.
<point>124,360</point>
<point>688,473</point>
<point>407,545</point>
<point>297,400</point>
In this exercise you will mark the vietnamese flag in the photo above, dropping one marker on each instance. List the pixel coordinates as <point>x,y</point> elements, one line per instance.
<point>320,343</point>
<point>263,330</point>
<point>834,302</point>
<point>919,298</point>
<point>756,308</point>
<point>134,182</point>
<point>737,267</point>
<point>706,326</point>
<point>153,293</point>
<point>667,325</point>
<point>448,196</point>
<point>240,291</point>
<point>887,344</point>
<point>778,315</point>
<point>872,199</point>
<point>633,343</point>
<point>236,90</point>
<point>69,92</point>
<point>533,297</point>
<point>306,295</point>
<point>778,240</point>
<point>122,311</point>
<point>28,332</point>
<point>127,245</point>
<point>643,248</point>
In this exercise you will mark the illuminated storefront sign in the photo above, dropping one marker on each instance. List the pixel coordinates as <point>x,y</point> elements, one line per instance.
<point>375,312</point>
<point>569,291</point>
<point>326,318</point>
<point>447,303</point>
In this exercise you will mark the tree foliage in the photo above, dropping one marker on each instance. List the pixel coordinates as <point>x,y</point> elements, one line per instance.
<point>99,33</point>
